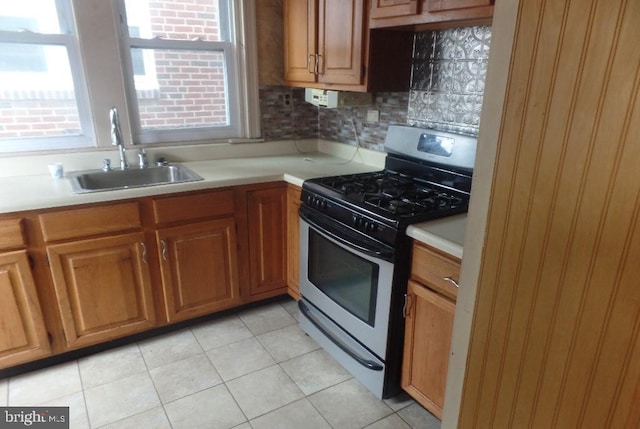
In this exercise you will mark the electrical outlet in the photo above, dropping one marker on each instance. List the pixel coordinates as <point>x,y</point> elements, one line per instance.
<point>286,99</point>
<point>373,116</point>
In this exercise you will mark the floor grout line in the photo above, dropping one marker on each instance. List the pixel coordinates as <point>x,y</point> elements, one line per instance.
<point>291,381</point>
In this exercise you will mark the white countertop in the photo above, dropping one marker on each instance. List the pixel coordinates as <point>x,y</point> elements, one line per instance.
<point>446,234</point>
<point>39,191</point>
<point>20,193</point>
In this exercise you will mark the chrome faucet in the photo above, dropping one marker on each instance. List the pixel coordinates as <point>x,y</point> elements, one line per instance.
<point>116,137</point>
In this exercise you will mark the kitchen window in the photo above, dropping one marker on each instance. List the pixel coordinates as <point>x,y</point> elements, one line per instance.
<point>42,92</point>
<point>179,71</point>
<point>190,88</point>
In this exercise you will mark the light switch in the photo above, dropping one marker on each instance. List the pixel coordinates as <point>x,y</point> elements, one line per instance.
<point>373,116</point>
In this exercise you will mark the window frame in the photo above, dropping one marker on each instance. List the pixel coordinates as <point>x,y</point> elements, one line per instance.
<point>101,68</point>
<point>240,59</point>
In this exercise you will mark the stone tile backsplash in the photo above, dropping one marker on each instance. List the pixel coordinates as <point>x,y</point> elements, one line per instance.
<point>447,89</point>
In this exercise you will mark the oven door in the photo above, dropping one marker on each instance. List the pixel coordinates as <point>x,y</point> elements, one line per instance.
<point>348,277</point>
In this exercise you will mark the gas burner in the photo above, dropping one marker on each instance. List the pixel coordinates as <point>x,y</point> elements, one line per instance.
<point>396,206</point>
<point>413,187</point>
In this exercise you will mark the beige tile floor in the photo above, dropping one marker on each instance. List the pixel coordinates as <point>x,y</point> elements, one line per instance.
<point>254,369</point>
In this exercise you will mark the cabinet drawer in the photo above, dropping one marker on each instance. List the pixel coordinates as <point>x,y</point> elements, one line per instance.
<point>75,223</point>
<point>431,268</point>
<point>11,236</point>
<point>189,207</point>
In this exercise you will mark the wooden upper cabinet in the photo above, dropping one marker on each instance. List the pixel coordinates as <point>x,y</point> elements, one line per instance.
<point>23,336</point>
<point>324,41</point>
<point>267,217</point>
<point>199,268</point>
<point>328,45</point>
<point>442,5</point>
<point>340,42</point>
<point>300,40</point>
<point>430,14</point>
<point>392,8</point>
<point>103,288</point>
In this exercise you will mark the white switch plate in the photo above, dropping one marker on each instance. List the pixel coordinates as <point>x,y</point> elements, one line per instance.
<point>373,116</point>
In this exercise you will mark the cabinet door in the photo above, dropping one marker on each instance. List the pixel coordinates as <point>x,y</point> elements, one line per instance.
<point>267,243</point>
<point>392,8</point>
<point>23,336</point>
<point>340,41</point>
<point>441,5</point>
<point>102,287</point>
<point>428,330</point>
<point>300,36</point>
<point>199,268</point>
<point>293,241</point>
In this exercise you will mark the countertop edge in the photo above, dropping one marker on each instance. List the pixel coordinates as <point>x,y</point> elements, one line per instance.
<point>444,234</point>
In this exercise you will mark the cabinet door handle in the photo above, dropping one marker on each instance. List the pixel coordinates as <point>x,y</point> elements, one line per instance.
<point>144,252</point>
<point>405,307</point>
<point>309,69</point>
<point>319,70</point>
<point>451,280</point>
<point>164,249</point>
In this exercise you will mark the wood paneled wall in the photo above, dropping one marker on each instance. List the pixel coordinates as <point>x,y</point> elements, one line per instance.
<point>555,335</point>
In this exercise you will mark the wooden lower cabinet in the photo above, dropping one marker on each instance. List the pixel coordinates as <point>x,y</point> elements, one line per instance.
<point>198,264</point>
<point>23,336</point>
<point>103,288</point>
<point>293,241</point>
<point>429,313</point>
<point>95,264</point>
<point>267,226</point>
<point>428,330</point>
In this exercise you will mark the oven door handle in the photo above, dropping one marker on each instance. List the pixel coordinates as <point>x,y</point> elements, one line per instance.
<point>351,241</point>
<point>345,348</point>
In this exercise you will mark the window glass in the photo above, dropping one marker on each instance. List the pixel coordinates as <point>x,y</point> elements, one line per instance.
<point>38,89</point>
<point>181,59</point>
<point>188,89</point>
<point>37,16</point>
<point>178,19</point>
<point>37,97</point>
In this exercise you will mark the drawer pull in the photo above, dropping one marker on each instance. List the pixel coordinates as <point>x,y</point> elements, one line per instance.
<point>451,280</point>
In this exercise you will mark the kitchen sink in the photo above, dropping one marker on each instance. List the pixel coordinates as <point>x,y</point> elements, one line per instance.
<point>99,180</point>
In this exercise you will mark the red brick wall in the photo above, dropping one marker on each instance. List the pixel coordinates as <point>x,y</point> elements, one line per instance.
<point>27,118</point>
<point>190,84</point>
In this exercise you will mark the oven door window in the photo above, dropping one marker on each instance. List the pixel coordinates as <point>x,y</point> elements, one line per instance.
<point>348,279</point>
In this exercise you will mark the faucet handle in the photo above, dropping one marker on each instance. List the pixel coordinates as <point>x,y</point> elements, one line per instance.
<point>106,164</point>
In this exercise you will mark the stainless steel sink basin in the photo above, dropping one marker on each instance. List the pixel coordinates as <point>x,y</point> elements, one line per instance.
<point>98,180</point>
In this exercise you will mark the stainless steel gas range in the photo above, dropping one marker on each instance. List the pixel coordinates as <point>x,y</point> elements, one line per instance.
<point>355,255</point>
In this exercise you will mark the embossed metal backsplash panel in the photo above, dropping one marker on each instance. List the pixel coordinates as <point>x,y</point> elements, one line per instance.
<point>447,80</point>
